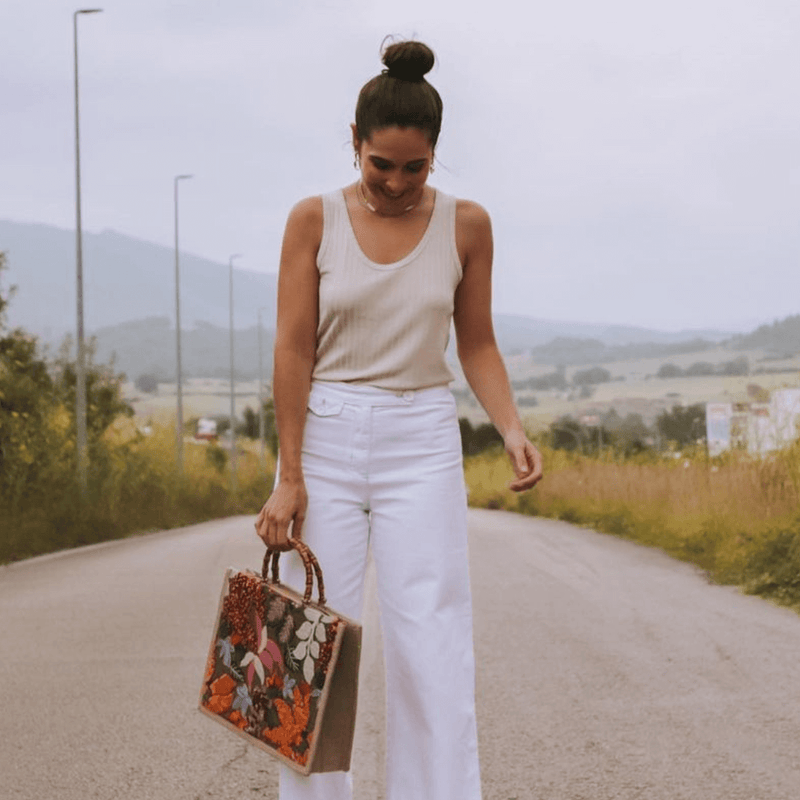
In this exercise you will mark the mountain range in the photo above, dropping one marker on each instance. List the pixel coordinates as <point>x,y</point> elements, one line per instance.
<point>129,299</point>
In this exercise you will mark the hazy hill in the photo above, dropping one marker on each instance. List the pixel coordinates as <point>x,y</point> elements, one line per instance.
<point>563,350</point>
<point>522,333</point>
<point>129,305</point>
<point>147,346</point>
<point>780,338</point>
<point>124,279</point>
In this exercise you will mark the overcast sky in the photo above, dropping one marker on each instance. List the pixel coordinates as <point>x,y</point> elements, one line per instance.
<point>639,159</point>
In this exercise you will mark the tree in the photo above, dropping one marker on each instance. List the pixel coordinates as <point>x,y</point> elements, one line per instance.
<point>37,416</point>
<point>566,433</point>
<point>475,440</point>
<point>737,366</point>
<point>542,383</point>
<point>147,383</point>
<point>631,435</point>
<point>683,424</point>
<point>700,368</point>
<point>104,401</point>
<point>669,371</point>
<point>250,427</point>
<point>593,375</point>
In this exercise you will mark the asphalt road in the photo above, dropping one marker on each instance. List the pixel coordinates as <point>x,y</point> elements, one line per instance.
<point>605,670</point>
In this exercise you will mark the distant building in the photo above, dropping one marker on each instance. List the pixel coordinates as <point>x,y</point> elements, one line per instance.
<point>206,429</point>
<point>755,427</point>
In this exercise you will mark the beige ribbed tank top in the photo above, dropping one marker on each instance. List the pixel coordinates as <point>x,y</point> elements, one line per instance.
<point>386,325</point>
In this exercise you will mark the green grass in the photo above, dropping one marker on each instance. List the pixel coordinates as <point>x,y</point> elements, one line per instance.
<point>134,487</point>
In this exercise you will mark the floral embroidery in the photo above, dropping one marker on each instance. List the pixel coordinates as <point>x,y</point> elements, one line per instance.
<point>311,633</point>
<point>288,688</point>
<point>242,701</point>
<point>268,665</point>
<point>294,722</point>
<point>225,650</point>
<point>268,655</point>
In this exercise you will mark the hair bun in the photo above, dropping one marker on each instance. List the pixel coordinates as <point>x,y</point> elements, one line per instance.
<point>408,61</point>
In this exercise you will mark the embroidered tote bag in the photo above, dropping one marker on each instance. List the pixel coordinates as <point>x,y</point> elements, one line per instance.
<point>282,671</point>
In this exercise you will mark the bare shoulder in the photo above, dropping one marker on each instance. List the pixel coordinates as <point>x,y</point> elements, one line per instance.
<point>473,229</point>
<point>470,213</point>
<point>306,218</point>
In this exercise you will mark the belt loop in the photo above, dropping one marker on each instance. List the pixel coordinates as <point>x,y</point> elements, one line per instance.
<point>408,396</point>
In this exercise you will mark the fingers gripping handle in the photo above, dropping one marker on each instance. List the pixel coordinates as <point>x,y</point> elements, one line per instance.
<point>310,563</point>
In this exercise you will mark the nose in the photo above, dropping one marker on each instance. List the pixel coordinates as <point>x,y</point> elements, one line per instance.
<point>394,183</point>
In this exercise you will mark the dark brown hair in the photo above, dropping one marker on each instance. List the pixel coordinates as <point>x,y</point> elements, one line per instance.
<point>400,95</point>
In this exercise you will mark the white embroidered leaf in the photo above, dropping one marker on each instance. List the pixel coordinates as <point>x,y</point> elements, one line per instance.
<point>314,649</point>
<point>304,631</point>
<point>313,614</point>
<point>328,619</point>
<point>319,633</point>
<point>262,641</point>
<point>301,650</point>
<point>308,669</point>
<point>259,668</point>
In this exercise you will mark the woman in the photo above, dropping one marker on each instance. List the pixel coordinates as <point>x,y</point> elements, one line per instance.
<point>370,454</point>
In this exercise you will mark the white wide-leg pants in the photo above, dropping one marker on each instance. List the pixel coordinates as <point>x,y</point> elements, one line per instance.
<point>383,471</point>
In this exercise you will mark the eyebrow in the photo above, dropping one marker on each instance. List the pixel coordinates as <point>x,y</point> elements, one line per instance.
<point>415,161</point>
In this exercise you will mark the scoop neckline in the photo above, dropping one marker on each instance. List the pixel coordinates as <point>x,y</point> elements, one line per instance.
<point>405,259</point>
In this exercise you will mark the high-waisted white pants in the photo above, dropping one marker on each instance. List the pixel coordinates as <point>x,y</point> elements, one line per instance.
<point>384,472</point>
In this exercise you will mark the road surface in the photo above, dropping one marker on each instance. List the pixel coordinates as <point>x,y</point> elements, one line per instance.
<point>605,670</point>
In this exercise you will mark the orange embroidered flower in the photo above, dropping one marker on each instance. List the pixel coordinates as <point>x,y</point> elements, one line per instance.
<point>221,694</point>
<point>293,721</point>
<point>219,703</point>
<point>237,719</point>
<point>223,685</point>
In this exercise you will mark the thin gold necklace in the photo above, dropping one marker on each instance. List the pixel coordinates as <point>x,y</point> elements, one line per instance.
<point>362,198</point>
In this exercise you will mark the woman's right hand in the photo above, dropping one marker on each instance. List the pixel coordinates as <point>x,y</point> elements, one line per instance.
<point>283,514</point>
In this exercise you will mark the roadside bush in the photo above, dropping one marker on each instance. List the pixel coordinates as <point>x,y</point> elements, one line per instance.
<point>133,482</point>
<point>477,439</point>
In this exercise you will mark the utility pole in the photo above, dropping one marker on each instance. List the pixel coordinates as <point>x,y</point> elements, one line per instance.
<point>233,386</point>
<point>82,456</point>
<point>178,368</point>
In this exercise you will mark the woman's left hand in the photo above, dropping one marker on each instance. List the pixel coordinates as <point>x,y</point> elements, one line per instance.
<point>525,459</point>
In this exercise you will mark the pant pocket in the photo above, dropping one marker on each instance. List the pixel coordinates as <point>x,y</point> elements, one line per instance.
<point>328,429</point>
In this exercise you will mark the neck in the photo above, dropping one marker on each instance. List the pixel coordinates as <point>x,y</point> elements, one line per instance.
<point>363,198</point>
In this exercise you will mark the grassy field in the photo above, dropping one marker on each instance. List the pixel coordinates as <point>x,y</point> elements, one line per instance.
<point>736,517</point>
<point>134,487</point>
<point>201,397</point>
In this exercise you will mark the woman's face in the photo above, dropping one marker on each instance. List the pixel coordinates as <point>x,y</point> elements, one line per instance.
<point>395,163</point>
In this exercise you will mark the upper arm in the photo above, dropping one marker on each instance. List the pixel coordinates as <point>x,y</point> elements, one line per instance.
<point>298,279</point>
<point>472,314</point>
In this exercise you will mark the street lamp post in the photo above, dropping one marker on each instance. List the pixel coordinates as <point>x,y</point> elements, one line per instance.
<point>260,391</point>
<point>178,371</point>
<point>80,366</point>
<point>233,393</point>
